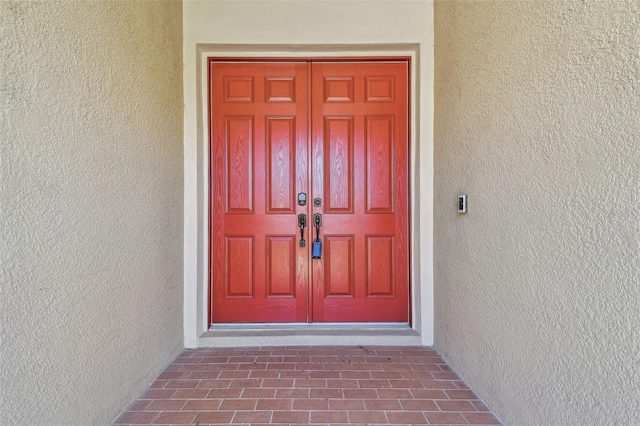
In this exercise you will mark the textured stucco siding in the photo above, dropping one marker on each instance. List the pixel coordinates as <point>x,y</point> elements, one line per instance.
<point>537,288</point>
<point>90,206</point>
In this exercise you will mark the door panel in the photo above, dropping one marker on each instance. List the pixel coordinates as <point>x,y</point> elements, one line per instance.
<point>258,164</point>
<point>281,168</point>
<point>239,148</point>
<point>340,136</point>
<point>337,143</point>
<point>359,169</point>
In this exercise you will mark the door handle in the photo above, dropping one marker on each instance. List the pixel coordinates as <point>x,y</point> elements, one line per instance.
<point>316,249</point>
<point>302,223</point>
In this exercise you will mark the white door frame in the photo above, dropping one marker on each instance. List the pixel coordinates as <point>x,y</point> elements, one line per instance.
<point>196,261</point>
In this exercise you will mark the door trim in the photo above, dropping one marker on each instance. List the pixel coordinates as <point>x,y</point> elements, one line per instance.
<point>197,332</point>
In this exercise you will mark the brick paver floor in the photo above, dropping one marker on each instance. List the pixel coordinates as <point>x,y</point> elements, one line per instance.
<point>308,385</point>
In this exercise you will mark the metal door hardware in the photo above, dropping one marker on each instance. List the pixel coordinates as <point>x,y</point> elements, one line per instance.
<point>316,249</point>
<point>302,223</point>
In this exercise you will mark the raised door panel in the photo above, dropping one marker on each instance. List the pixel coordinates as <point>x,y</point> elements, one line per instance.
<point>338,173</point>
<point>380,88</point>
<point>337,89</point>
<point>239,266</point>
<point>281,164</point>
<point>280,89</point>
<point>281,260</point>
<point>380,266</point>
<point>238,88</point>
<point>339,266</point>
<point>239,157</point>
<point>379,163</point>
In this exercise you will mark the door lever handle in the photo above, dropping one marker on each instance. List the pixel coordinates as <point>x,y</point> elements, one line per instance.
<point>316,249</point>
<point>302,223</point>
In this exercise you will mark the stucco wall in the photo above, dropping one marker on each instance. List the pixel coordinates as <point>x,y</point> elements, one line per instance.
<point>537,288</point>
<point>304,28</point>
<point>90,206</point>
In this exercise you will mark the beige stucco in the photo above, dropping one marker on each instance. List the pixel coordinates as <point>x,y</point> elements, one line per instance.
<point>537,287</point>
<point>90,206</point>
<point>306,29</point>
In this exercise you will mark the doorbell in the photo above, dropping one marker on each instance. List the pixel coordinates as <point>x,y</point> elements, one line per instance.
<point>462,203</point>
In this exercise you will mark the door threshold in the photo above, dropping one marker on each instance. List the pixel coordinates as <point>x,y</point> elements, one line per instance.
<point>303,334</point>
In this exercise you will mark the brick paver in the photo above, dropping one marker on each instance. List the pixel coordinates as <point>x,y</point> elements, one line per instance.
<point>308,385</point>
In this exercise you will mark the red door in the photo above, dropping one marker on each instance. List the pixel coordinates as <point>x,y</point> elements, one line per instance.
<point>259,161</point>
<point>351,157</point>
<point>359,157</point>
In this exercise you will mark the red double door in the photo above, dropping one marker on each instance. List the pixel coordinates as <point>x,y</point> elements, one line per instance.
<point>337,133</point>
